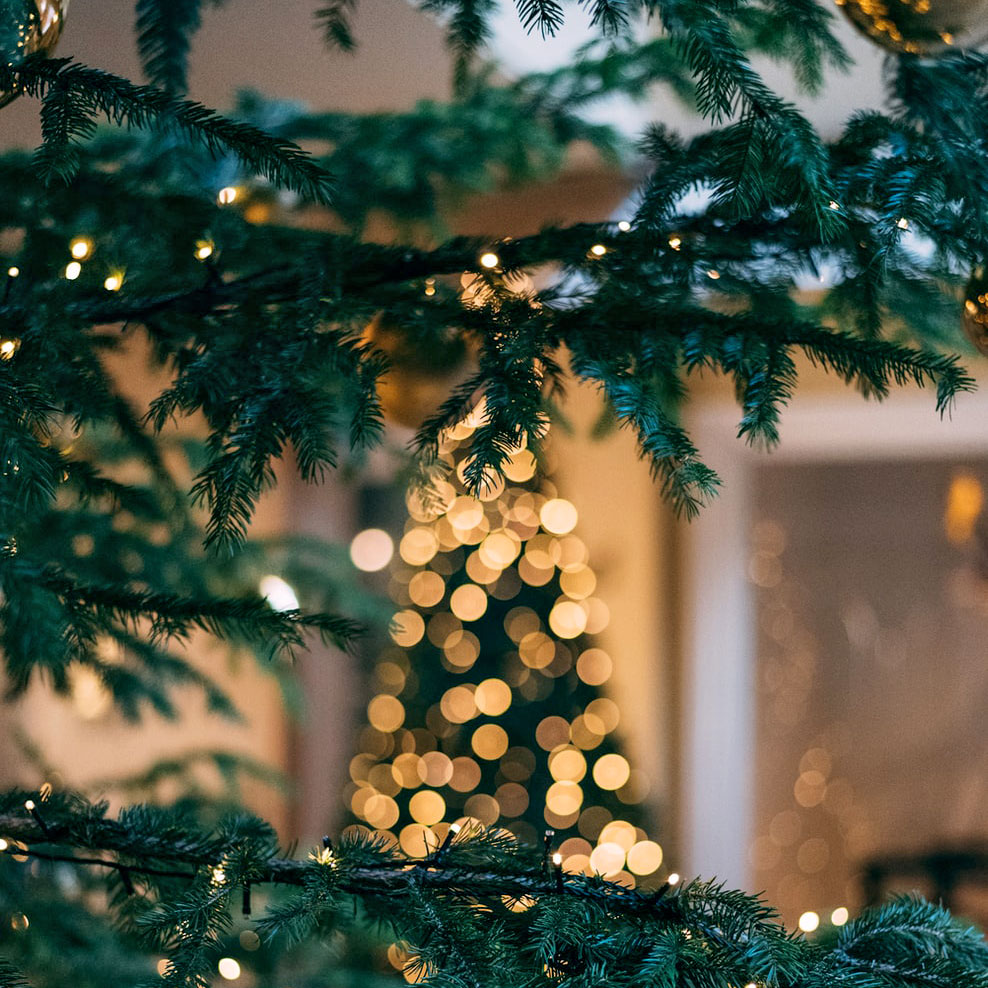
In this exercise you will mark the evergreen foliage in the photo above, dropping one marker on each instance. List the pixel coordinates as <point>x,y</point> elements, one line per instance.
<point>258,327</point>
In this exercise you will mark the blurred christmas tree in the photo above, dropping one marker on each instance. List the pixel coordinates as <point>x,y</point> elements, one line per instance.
<point>489,708</point>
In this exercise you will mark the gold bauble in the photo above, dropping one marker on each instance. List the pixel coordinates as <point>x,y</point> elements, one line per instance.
<point>920,27</point>
<point>28,27</point>
<point>975,319</point>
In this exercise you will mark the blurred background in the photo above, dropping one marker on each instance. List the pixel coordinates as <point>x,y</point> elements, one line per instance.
<point>792,691</point>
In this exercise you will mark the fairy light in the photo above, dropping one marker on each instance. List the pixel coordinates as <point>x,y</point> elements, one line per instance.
<point>674,878</point>
<point>81,248</point>
<point>489,260</point>
<point>675,242</point>
<point>280,595</point>
<point>430,286</point>
<point>713,274</point>
<point>8,348</point>
<point>3,845</point>
<point>903,223</point>
<point>29,805</point>
<point>204,250</point>
<point>598,250</point>
<point>809,921</point>
<point>834,205</point>
<point>13,271</point>
<point>228,196</point>
<point>218,876</point>
<point>113,282</point>
<point>228,968</point>
<point>72,270</point>
<point>840,916</point>
<point>624,226</point>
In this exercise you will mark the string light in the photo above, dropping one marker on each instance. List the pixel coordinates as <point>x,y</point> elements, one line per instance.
<point>113,282</point>
<point>489,260</point>
<point>840,916</point>
<point>72,270</point>
<point>834,205</point>
<point>675,242</point>
<point>218,876</point>
<point>598,250</point>
<point>228,968</point>
<point>3,845</point>
<point>430,286</point>
<point>279,594</point>
<point>673,878</point>
<point>809,921</point>
<point>81,248</point>
<point>8,348</point>
<point>13,271</point>
<point>624,226</point>
<point>228,195</point>
<point>903,223</point>
<point>713,273</point>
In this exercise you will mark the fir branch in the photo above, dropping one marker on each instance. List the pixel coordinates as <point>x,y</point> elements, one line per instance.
<point>334,20</point>
<point>164,31</point>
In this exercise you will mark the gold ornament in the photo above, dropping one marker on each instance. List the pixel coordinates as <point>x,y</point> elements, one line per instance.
<point>975,318</point>
<point>27,27</point>
<point>920,27</point>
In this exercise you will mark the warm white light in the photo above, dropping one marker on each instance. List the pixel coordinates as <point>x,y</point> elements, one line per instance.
<point>227,195</point>
<point>675,242</point>
<point>13,271</point>
<point>673,879</point>
<point>3,844</point>
<point>204,249</point>
<point>840,916</point>
<point>624,226</point>
<point>809,921</point>
<point>489,260</point>
<point>598,250</point>
<point>7,349</point>
<point>456,827</point>
<point>81,248</point>
<point>29,805</point>
<point>72,270</point>
<point>713,273</point>
<point>278,593</point>
<point>113,283</point>
<point>219,876</point>
<point>557,859</point>
<point>903,223</point>
<point>228,968</point>
<point>371,550</point>
<point>834,205</point>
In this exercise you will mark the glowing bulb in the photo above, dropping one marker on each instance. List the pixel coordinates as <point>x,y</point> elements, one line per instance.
<point>227,196</point>
<point>675,242</point>
<point>557,859</point>
<point>29,805</point>
<point>903,223</point>
<point>228,968</point>
<point>456,827</point>
<point>624,226</point>
<point>751,984</point>
<point>81,248</point>
<point>3,844</point>
<point>371,550</point>
<point>204,249</point>
<point>219,876</point>
<point>73,270</point>
<point>834,205</point>
<point>430,286</point>
<point>713,273</point>
<point>489,260</point>
<point>598,250</point>
<point>673,879</point>
<point>7,349</point>
<point>839,916</point>
<point>278,593</point>
<point>113,283</point>
<point>809,921</point>
<point>13,271</point>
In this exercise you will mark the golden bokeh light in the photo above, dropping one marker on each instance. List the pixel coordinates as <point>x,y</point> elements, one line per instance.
<point>607,859</point>
<point>578,582</point>
<point>371,550</point>
<point>618,832</point>
<point>435,769</point>
<point>417,841</point>
<point>462,649</point>
<point>602,715</point>
<point>483,808</point>
<point>644,858</point>
<point>489,741</point>
<point>406,770</point>
<point>386,712</point>
<point>418,546</point>
<point>521,621</point>
<point>567,765</point>
<point>493,697</point>
<point>521,466</point>
<point>565,799</point>
<point>594,666</point>
<point>381,812</point>
<point>558,516</point>
<point>426,588</point>
<point>407,628</point>
<point>458,705</point>
<point>611,771</point>
<point>498,550</point>
<point>567,619</point>
<point>427,807</point>
<point>552,732</point>
<point>468,602</point>
<point>512,798</point>
<point>466,774</point>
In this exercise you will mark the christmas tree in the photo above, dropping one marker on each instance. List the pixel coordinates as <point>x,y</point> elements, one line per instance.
<point>489,710</point>
<point>232,261</point>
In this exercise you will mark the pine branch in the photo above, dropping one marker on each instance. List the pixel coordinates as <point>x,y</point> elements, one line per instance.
<point>334,20</point>
<point>164,31</point>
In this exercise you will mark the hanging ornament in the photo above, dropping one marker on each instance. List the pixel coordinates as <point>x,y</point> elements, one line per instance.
<point>920,27</point>
<point>27,27</point>
<point>975,317</point>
